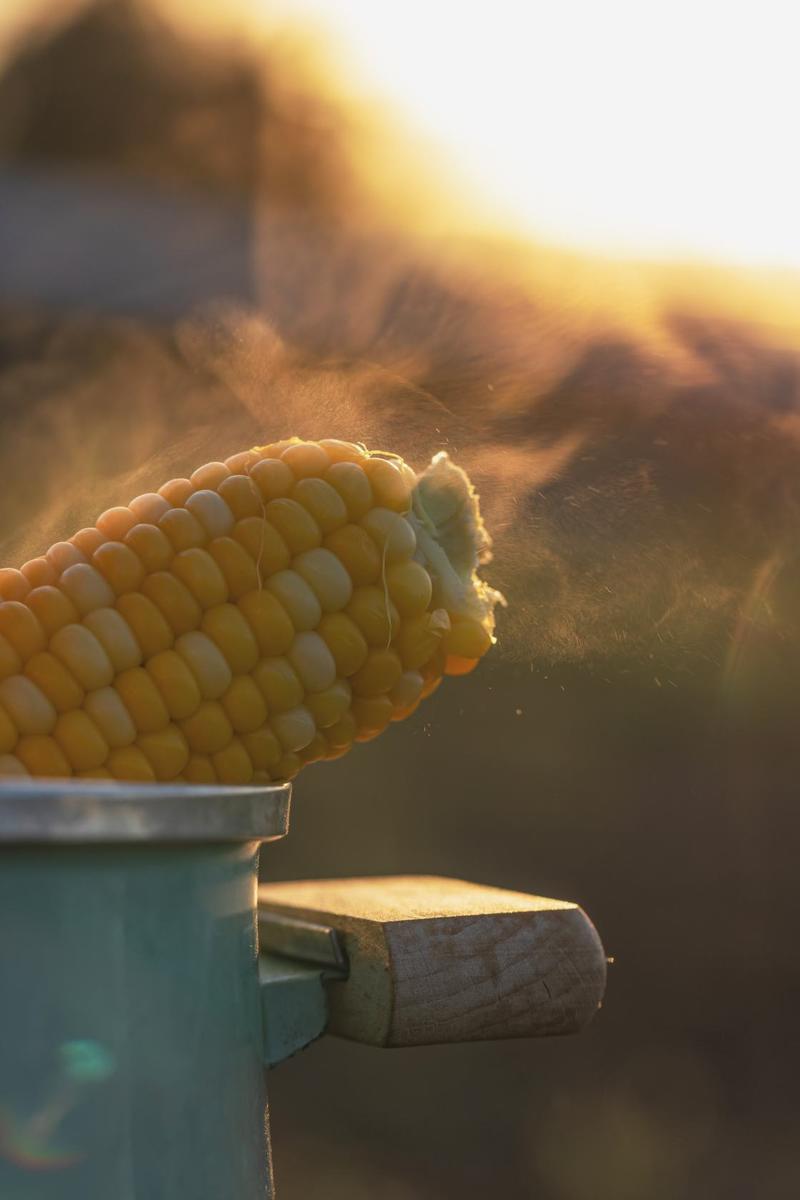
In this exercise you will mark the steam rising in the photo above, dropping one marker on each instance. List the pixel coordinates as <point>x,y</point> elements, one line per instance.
<point>634,434</point>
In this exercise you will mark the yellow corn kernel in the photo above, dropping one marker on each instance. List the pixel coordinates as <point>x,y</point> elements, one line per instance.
<point>39,573</point>
<point>11,765</point>
<point>149,628</point>
<point>233,764</point>
<point>211,511</point>
<point>305,459</point>
<point>390,488</point>
<point>339,451</point>
<point>10,661</point>
<point>95,773</point>
<point>316,750</point>
<point>174,600</point>
<point>392,534</point>
<point>264,544</point>
<point>167,751</point>
<point>406,691</point>
<point>13,584</point>
<point>241,496</point>
<point>200,769</point>
<point>297,527</point>
<point>82,654</point>
<point>42,755</point>
<point>149,508</point>
<point>410,587</point>
<point>294,729</point>
<point>8,732</point>
<point>279,684</point>
<point>183,530</point>
<point>57,683</point>
<point>175,682</point>
<point>263,747</point>
<point>357,553</point>
<point>27,705</point>
<point>346,642</point>
<point>63,554</point>
<point>287,768</point>
<point>312,661</point>
<point>176,491</point>
<point>273,478</point>
<point>209,729</point>
<point>467,638</point>
<point>350,481</point>
<point>111,717</point>
<point>244,704</point>
<point>120,566</point>
<point>20,627</point>
<point>228,629</point>
<point>88,541</point>
<point>86,588</point>
<point>198,571</point>
<point>128,762</point>
<point>269,621</point>
<point>210,475</point>
<point>115,636</point>
<point>343,732</point>
<point>372,714</point>
<point>323,502</point>
<point>329,706</point>
<point>237,567</point>
<point>142,699</point>
<point>80,740</point>
<point>51,608</point>
<point>375,615</point>
<point>297,598</point>
<point>152,546</point>
<point>454,665</point>
<point>379,673</point>
<point>206,662</point>
<point>240,463</point>
<point>326,576</point>
<point>420,637</point>
<point>115,522</point>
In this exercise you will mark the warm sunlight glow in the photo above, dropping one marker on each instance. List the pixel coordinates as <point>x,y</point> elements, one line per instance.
<point>655,129</point>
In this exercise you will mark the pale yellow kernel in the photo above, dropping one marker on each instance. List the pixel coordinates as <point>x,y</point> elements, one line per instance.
<point>410,587</point>
<point>167,751</point>
<point>173,600</point>
<point>211,475</point>
<point>80,740</point>
<point>115,522</point>
<point>326,576</point>
<point>375,615</point>
<point>244,704</point>
<point>152,546</point>
<point>345,641</point>
<point>372,714</point>
<point>294,729</point>
<point>297,527</point>
<point>350,481</point>
<point>18,624</point>
<point>239,570</point>
<point>357,553</point>
<point>52,608</point>
<point>63,554</point>
<point>42,755</point>
<point>392,534</point>
<point>209,729</point>
<point>389,485</point>
<point>199,572</point>
<point>120,566</point>
<point>39,573</point>
<point>200,769</point>
<point>111,717</point>
<point>229,630</point>
<point>422,636</point>
<point>316,750</point>
<point>306,459</point>
<point>176,491</point>
<point>329,706</point>
<point>379,673</point>
<point>467,638</point>
<point>149,508</point>
<point>273,478</point>
<point>279,683</point>
<point>342,734</point>
<point>232,764</point>
<point>82,654</point>
<point>8,732</point>
<point>206,662</point>
<point>297,598</point>
<point>87,540</point>
<point>176,683</point>
<point>115,636</point>
<point>57,683</point>
<point>10,661</point>
<point>183,530</point>
<point>268,620</point>
<point>312,661</point>
<point>323,503</point>
<point>339,451</point>
<point>11,765</point>
<point>407,690</point>
<point>287,768</point>
<point>142,699</point>
<point>240,463</point>
<point>146,622</point>
<point>241,496</point>
<point>263,544</point>
<point>13,584</point>
<point>263,747</point>
<point>86,588</point>
<point>211,511</point>
<point>128,762</point>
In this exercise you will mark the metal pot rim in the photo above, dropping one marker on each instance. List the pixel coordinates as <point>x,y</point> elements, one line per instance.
<point>87,810</point>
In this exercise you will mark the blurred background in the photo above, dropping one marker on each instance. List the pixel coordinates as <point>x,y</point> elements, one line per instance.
<point>563,247</point>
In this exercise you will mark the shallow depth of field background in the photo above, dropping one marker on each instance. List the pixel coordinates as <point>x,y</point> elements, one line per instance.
<point>197,248</point>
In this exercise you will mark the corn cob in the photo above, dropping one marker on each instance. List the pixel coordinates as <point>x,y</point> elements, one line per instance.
<point>266,613</point>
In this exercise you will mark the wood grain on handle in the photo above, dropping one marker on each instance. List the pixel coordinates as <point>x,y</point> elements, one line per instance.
<point>441,960</point>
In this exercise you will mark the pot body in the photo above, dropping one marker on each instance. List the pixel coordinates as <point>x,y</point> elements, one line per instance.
<point>131,1039</point>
